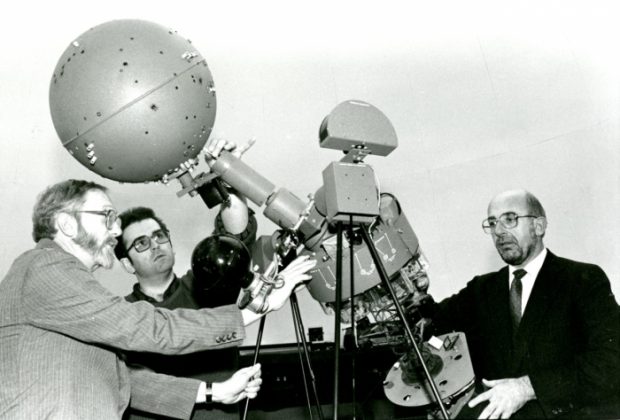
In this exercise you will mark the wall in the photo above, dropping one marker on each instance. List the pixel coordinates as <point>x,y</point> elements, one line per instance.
<point>483,97</point>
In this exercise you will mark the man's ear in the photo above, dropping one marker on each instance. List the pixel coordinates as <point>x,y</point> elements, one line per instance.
<point>540,224</point>
<point>127,265</point>
<point>67,224</point>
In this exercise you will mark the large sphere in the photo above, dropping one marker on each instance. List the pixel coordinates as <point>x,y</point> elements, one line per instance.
<point>131,100</point>
<point>221,267</point>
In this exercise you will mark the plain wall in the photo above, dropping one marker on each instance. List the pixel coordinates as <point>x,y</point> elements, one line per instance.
<point>484,97</point>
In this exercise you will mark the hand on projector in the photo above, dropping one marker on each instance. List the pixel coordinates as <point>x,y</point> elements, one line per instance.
<point>292,276</point>
<point>214,147</point>
<point>245,383</point>
<point>211,151</point>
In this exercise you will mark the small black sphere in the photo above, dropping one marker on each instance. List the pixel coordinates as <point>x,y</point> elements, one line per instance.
<point>221,265</point>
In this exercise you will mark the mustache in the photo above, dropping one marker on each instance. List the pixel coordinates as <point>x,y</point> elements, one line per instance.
<point>505,240</point>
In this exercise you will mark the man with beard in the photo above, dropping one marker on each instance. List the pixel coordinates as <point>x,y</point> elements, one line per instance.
<point>543,332</point>
<point>62,333</point>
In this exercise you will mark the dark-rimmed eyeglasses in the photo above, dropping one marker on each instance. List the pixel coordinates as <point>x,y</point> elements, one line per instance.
<point>508,220</point>
<point>143,243</point>
<point>110,216</point>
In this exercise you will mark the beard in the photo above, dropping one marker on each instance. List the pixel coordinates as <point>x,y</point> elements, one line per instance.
<point>516,251</point>
<point>510,251</point>
<point>102,251</point>
<point>512,257</point>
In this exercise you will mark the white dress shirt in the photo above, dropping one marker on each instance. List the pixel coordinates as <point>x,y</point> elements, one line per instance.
<point>532,269</point>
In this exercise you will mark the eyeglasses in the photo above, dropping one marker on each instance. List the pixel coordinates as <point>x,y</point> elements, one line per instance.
<point>143,243</point>
<point>508,220</point>
<point>110,216</point>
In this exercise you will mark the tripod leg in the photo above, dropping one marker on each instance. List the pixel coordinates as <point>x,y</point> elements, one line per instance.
<point>299,327</point>
<point>337,317</point>
<point>259,338</point>
<point>353,326</point>
<point>401,313</point>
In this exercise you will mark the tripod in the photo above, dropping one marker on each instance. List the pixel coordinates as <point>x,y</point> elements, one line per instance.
<point>386,282</point>
<point>349,193</point>
<point>304,358</point>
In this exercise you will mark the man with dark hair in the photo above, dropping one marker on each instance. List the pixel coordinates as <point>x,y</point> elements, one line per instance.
<point>62,333</point>
<point>543,332</point>
<point>145,250</point>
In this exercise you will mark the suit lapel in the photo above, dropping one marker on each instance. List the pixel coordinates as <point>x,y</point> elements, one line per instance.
<point>545,286</point>
<point>499,313</point>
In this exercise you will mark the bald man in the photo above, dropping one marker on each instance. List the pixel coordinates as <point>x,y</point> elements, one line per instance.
<point>543,331</point>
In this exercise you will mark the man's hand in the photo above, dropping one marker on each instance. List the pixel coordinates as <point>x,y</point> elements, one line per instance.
<point>212,150</point>
<point>245,383</point>
<point>290,279</point>
<point>505,397</point>
<point>294,274</point>
<point>214,147</point>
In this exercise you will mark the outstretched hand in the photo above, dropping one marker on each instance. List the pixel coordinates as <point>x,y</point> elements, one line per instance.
<point>505,397</point>
<point>211,151</point>
<point>215,146</point>
<point>245,383</point>
<point>294,274</point>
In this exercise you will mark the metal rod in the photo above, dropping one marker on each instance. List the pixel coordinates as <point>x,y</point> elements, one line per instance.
<point>301,360</point>
<point>353,326</point>
<point>386,281</point>
<point>337,317</point>
<point>300,325</point>
<point>259,338</point>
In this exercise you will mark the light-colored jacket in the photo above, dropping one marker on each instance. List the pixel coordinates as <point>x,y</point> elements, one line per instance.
<point>62,335</point>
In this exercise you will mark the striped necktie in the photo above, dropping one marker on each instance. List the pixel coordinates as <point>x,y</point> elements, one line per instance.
<point>515,296</point>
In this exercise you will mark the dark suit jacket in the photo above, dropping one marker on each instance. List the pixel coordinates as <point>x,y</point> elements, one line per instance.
<point>61,333</point>
<point>567,341</point>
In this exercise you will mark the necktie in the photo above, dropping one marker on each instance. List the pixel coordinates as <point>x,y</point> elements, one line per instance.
<point>515,296</point>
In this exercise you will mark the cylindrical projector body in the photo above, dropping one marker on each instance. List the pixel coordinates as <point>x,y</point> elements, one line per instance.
<point>281,207</point>
<point>284,208</point>
<point>243,178</point>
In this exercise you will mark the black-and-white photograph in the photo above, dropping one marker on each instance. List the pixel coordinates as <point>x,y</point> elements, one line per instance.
<point>310,210</point>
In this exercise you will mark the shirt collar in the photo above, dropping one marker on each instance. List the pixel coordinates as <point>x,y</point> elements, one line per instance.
<point>533,267</point>
<point>47,243</point>
<point>174,285</point>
